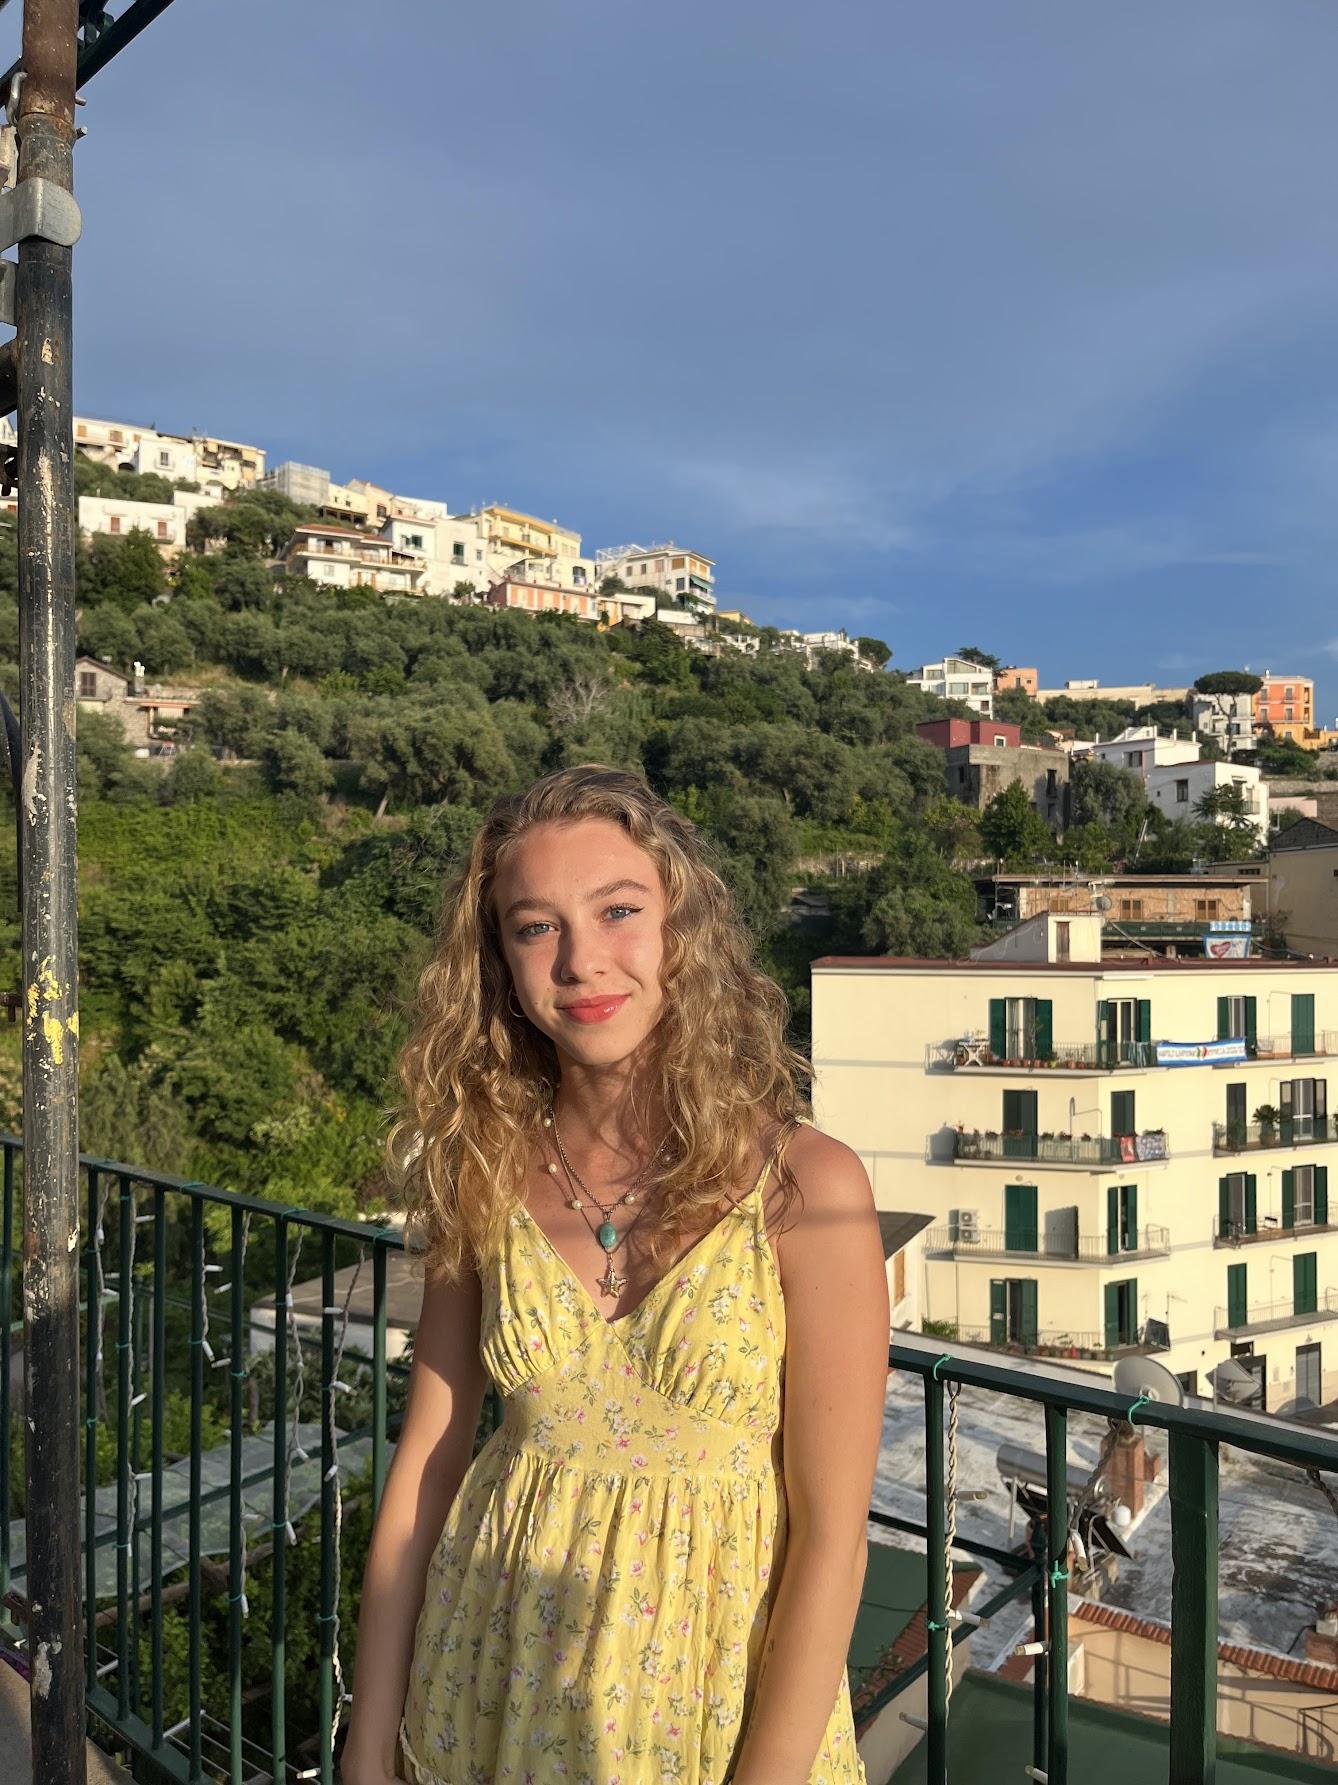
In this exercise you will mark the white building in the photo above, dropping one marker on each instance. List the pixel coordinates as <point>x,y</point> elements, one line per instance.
<point>1177,787</point>
<point>958,678</point>
<point>343,558</point>
<point>1229,718</point>
<point>1141,748</point>
<point>1142,694</point>
<point>671,568</point>
<point>164,522</point>
<point>218,466</point>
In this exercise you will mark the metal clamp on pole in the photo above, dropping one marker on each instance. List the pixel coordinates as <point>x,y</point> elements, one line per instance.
<point>34,208</point>
<point>39,208</point>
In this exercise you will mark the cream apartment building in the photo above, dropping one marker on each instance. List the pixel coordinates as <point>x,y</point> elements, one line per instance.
<point>1116,1155</point>
<point>670,568</point>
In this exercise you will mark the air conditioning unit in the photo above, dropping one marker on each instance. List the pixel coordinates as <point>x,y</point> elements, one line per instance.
<point>968,1224</point>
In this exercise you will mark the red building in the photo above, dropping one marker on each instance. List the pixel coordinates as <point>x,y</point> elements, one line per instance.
<point>947,734</point>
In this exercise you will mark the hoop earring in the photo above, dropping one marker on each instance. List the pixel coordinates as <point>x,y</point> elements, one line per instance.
<point>511,1005</point>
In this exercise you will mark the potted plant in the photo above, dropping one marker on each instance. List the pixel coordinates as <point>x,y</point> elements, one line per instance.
<point>1268,1116</point>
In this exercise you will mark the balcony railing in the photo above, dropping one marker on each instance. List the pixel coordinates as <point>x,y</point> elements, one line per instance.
<point>1087,1248</point>
<point>222,1413</point>
<point>1055,1342</point>
<point>1270,1317</point>
<point>1064,1056</point>
<point>1195,1435</point>
<point>972,1146</point>
<point>1322,1044</point>
<point>1294,1131</point>
<point>1268,1227</point>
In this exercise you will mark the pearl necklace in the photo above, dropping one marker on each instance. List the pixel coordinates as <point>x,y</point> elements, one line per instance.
<point>607,1234</point>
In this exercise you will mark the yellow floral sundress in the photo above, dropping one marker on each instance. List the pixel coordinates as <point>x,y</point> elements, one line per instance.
<point>597,1601</point>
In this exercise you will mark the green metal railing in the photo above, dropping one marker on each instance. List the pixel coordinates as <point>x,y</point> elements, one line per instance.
<point>1094,1151</point>
<point>172,1335</point>
<point>175,1344</point>
<point>1289,1131</point>
<point>1195,1437</point>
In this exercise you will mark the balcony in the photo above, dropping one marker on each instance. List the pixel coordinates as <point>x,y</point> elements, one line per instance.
<point>1088,1249</point>
<point>1273,1317</point>
<point>1323,1044</point>
<point>971,1146</point>
<point>972,1052</point>
<point>1236,1233</point>
<point>215,1653</point>
<point>1255,1137</point>
<point>1054,1342</point>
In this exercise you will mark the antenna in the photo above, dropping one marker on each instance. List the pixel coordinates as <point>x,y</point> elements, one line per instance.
<point>1145,1377</point>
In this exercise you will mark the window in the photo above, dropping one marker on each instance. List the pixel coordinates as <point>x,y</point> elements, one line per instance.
<point>1122,1113</point>
<point>414,541</point>
<point>114,524</point>
<point>458,553</point>
<point>1131,910</point>
<point>1122,1218</point>
<point>1123,1030</point>
<point>1133,759</point>
<point>1001,743</point>
<point>162,529</point>
<point>1237,1205</point>
<point>1305,1197</point>
<point>116,436</point>
<point>1062,942</point>
<point>88,684</point>
<point>1305,1280</point>
<point>81,432</point>
<point>1122,1313</point>
<point>1303,1105</point>
<point>1287,713</point>
<point>1237,1306</point>
<point>1205,910</point>
<point>1020,1028</point>
<point>1013,1311</point>
<point>1236,1019</point>
<point>1182,792</point>
<point>1289,694</point>
<point>680,583</point>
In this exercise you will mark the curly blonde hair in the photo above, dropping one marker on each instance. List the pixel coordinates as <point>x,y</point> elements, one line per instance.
<point>477,1079</point>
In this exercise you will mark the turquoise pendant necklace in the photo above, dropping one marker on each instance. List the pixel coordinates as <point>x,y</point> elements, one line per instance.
<point>606,1234</point>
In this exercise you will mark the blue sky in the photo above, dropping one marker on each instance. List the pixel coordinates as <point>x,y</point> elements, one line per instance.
<point>970,323</point>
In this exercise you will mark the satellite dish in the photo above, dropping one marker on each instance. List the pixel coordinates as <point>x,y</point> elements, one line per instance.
<point>1145,1377</point>
<point>1102,902</point>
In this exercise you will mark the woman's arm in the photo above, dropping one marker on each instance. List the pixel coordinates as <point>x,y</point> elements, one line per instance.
<point>432,1454</point>
<point>837,1326</point>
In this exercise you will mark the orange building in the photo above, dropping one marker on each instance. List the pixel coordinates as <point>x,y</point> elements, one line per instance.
<point>1012,677</point>
<point>1285,705</point>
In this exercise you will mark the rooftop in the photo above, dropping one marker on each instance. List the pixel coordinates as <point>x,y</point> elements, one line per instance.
<point>877,963</point>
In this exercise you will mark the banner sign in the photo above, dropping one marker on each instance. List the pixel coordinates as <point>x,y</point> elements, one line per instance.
<point>1137,1147</point>
<point>1228,939</point>
<point>1201,1053</point>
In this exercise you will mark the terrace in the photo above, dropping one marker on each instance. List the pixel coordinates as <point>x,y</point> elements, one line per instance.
<point>233,1459</point>
<point>975,1146</point>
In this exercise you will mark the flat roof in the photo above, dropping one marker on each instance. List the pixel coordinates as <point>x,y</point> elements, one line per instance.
<point>990,1737</point>
<point>879,963</point>
<point>1222,876</point>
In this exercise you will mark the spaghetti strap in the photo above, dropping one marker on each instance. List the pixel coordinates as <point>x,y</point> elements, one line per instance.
<point>778,1148</point>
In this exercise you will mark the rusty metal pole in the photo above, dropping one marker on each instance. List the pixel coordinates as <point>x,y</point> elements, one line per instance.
<point>50,939</point>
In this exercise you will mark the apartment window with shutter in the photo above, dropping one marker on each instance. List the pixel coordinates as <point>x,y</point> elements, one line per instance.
<point>88,684</point>
<point>1062,941</point>
<point>114,524</point>
<point>162,529</point>
<point>1182,792</point>
<point>1131,910</point>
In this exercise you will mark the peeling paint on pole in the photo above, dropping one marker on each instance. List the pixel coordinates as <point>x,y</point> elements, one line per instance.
<point>51,1262</point>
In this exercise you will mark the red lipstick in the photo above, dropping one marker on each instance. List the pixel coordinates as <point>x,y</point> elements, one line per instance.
<point>594,1010</point>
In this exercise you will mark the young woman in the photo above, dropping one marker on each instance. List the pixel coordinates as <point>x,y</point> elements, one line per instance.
<point>651,1570</point>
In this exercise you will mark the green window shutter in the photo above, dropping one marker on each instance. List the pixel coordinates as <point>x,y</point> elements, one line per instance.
<point>1112,1315</point>
<point>1113,1219</point>
<point>1131,1217</point>
<point>1045,1028</point>
<point>1103,1028</point>
<point>1251,1203</point>
<point>1122,1112</point>
<point>1224,1206</point>
<point>1288,1200</point>
<point>1030,1329</point>
<point>1224,1019</point>
<point>998,1028</point>
<point>1236,1295</point>
<point>1020,1223</point>
<point>1321,1196</point>
<point>1305,1280</point>
<point>998,1311</point>
<point>1251,1025</point>
<point>1303,1022</point>
<point>1145,1019</point>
